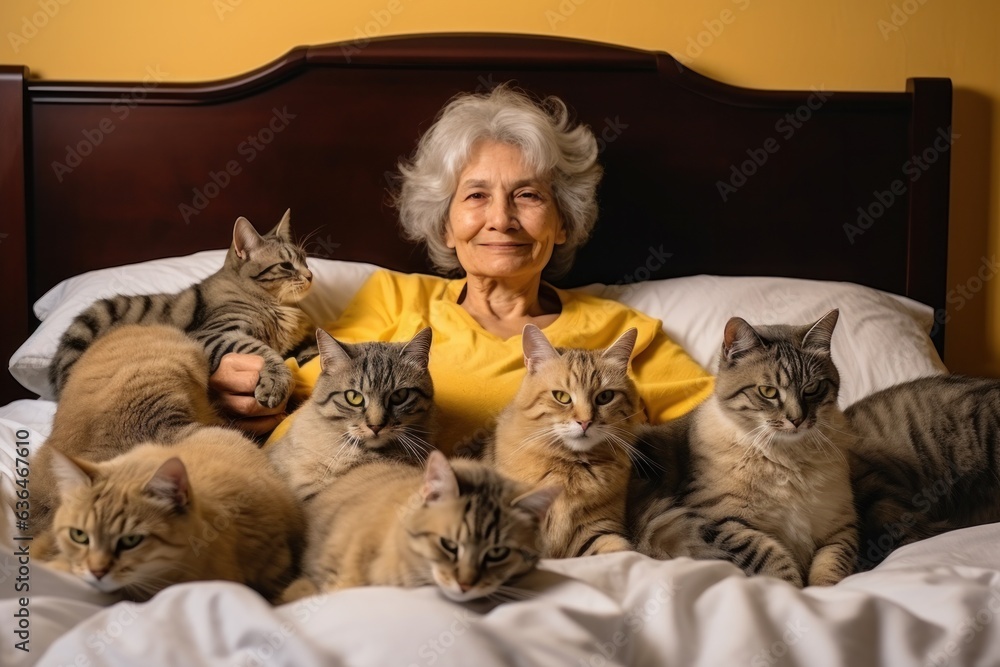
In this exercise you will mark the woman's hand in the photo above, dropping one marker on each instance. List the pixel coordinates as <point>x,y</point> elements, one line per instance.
<point>232,386</point>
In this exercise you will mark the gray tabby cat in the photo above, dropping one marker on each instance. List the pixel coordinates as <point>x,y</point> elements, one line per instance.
<point>461,526</point>
<point>769,485</point>
<point>927,460</point>
<point>249,306</point>
<point>372,401</point>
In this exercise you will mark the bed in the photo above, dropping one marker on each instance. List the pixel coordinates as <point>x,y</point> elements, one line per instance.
<point>717,201</point>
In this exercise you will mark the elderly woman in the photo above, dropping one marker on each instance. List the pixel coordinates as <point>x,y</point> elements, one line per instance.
<point>503,192</point>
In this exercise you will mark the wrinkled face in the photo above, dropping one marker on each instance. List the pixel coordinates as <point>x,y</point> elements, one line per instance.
<point>278,266</point>
<point>475,543</point>
<point>503,221</point>
<point>580,400</point>
<point>380,396</point>
<point>778,391</point>
<point>116,538</point>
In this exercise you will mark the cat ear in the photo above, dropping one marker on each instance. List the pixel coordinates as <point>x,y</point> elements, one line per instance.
<point>537,347</point>
<point>621,350</point>
<point>820,334</point>
<point>537,502</point>
<point>331,352</point>
<point>440,483</point>
<point>170,483</point>
<point>739,339</point>
<point>419,347</point>
<point>283,230</point>
<point>245,237</point>
<point>71,473</point>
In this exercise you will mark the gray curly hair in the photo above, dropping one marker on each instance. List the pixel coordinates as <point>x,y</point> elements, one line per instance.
<point>547,139</point>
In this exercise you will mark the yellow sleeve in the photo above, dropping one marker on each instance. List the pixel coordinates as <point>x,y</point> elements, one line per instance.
<point>670,382</point>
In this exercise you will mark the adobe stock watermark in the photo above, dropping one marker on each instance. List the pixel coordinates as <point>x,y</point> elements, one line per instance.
<point>562,12</point>
<point>31,25</point>
<point>635,620</point>
<point>435,647</point>
<point>898,17</point>
<point>960,295</point>
<point>248,149</point>
<point>913,168</point>
<point>262,652</point>
<point>786,127</point>
<point>772,655</point>
<point>121,108</point>
<point>714,28</point>
<point>381,18</point>
<point>967,630</point>
<point>223,7</point>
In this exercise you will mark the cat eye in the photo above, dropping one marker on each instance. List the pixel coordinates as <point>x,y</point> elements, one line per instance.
<point>604,397</point>
<point>78,536</point>
<point>497,554</point>
<point>767,392</point>
<point>449,546</point>
<point>811,389</point>
<point>354,398</point>
<point>129,542</point>
<point>562,397</point>
<point>287,266</point>
<point>399,396</point>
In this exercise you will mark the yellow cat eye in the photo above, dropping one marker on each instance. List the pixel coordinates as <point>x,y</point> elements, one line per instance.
<point>399,396</point>
<point>767,392</point>
<point>604,397</point>
<point>78,536</point>
<point>497,554</point>
<point>129,542</point>
<point>449,546</point>
<point>562,397</point>
<point>811,389</point>
<point>354,398</point>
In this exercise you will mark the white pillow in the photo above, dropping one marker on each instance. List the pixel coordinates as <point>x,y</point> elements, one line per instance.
<point>881,339</point>
<point>335,282</point>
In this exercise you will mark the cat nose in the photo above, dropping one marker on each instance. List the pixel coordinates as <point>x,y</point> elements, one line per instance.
<point>307,275</point>
<point>584,425</point>
<point>99,572</point>
<point>374,428</point>
<point>464,587</point>
<point>797,421</point>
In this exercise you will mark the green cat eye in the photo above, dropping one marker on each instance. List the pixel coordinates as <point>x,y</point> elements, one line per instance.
<point>562,397</point>
<point>78,536</point>
<point>354,398</point>
<point>449,546</point>
<point>811,389</point>
<point>399,396</point>
<point>604,397</point>
<point>497,554</point>
<point>129,542</point>
<point>767,392</point>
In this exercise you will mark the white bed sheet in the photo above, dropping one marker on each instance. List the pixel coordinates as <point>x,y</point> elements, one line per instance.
<point>933,603</point>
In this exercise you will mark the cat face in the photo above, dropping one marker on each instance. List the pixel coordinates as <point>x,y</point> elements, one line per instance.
<point>119,532</point>
<point>475,529</point>
<point>778,383</point>
<point>578,399</point>
<point>272,262</point>
<point>379,394</point>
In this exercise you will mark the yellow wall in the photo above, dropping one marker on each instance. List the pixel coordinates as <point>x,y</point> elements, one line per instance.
<point>846,45</point>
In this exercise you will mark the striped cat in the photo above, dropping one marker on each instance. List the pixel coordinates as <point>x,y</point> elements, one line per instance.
<point>768,482</point>
<point>927,460</point>
<point>248,306</point>
<point>572,424</point>
<point>135,384</point>
<point>460,525</point>
<point>372,401</point>
<point>209,506</point>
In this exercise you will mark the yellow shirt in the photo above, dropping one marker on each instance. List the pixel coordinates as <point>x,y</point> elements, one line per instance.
<point>476,374</point>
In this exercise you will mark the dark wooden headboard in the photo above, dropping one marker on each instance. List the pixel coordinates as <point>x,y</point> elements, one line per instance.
<point>722,179</point>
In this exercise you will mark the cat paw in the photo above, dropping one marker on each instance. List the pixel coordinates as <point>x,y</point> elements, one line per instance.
<point>607,544</point>
<point>298,589</point>
<point>272,390</point>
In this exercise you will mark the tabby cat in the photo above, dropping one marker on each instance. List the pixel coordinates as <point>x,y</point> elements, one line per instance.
<point>572,424</point>
<point>461,526</point>
<point>248,306</point>
<point>372,401</point>
<point>135,384</point>
<point>927,460</point>
<point>207,507</point>
<point>769,483</point>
